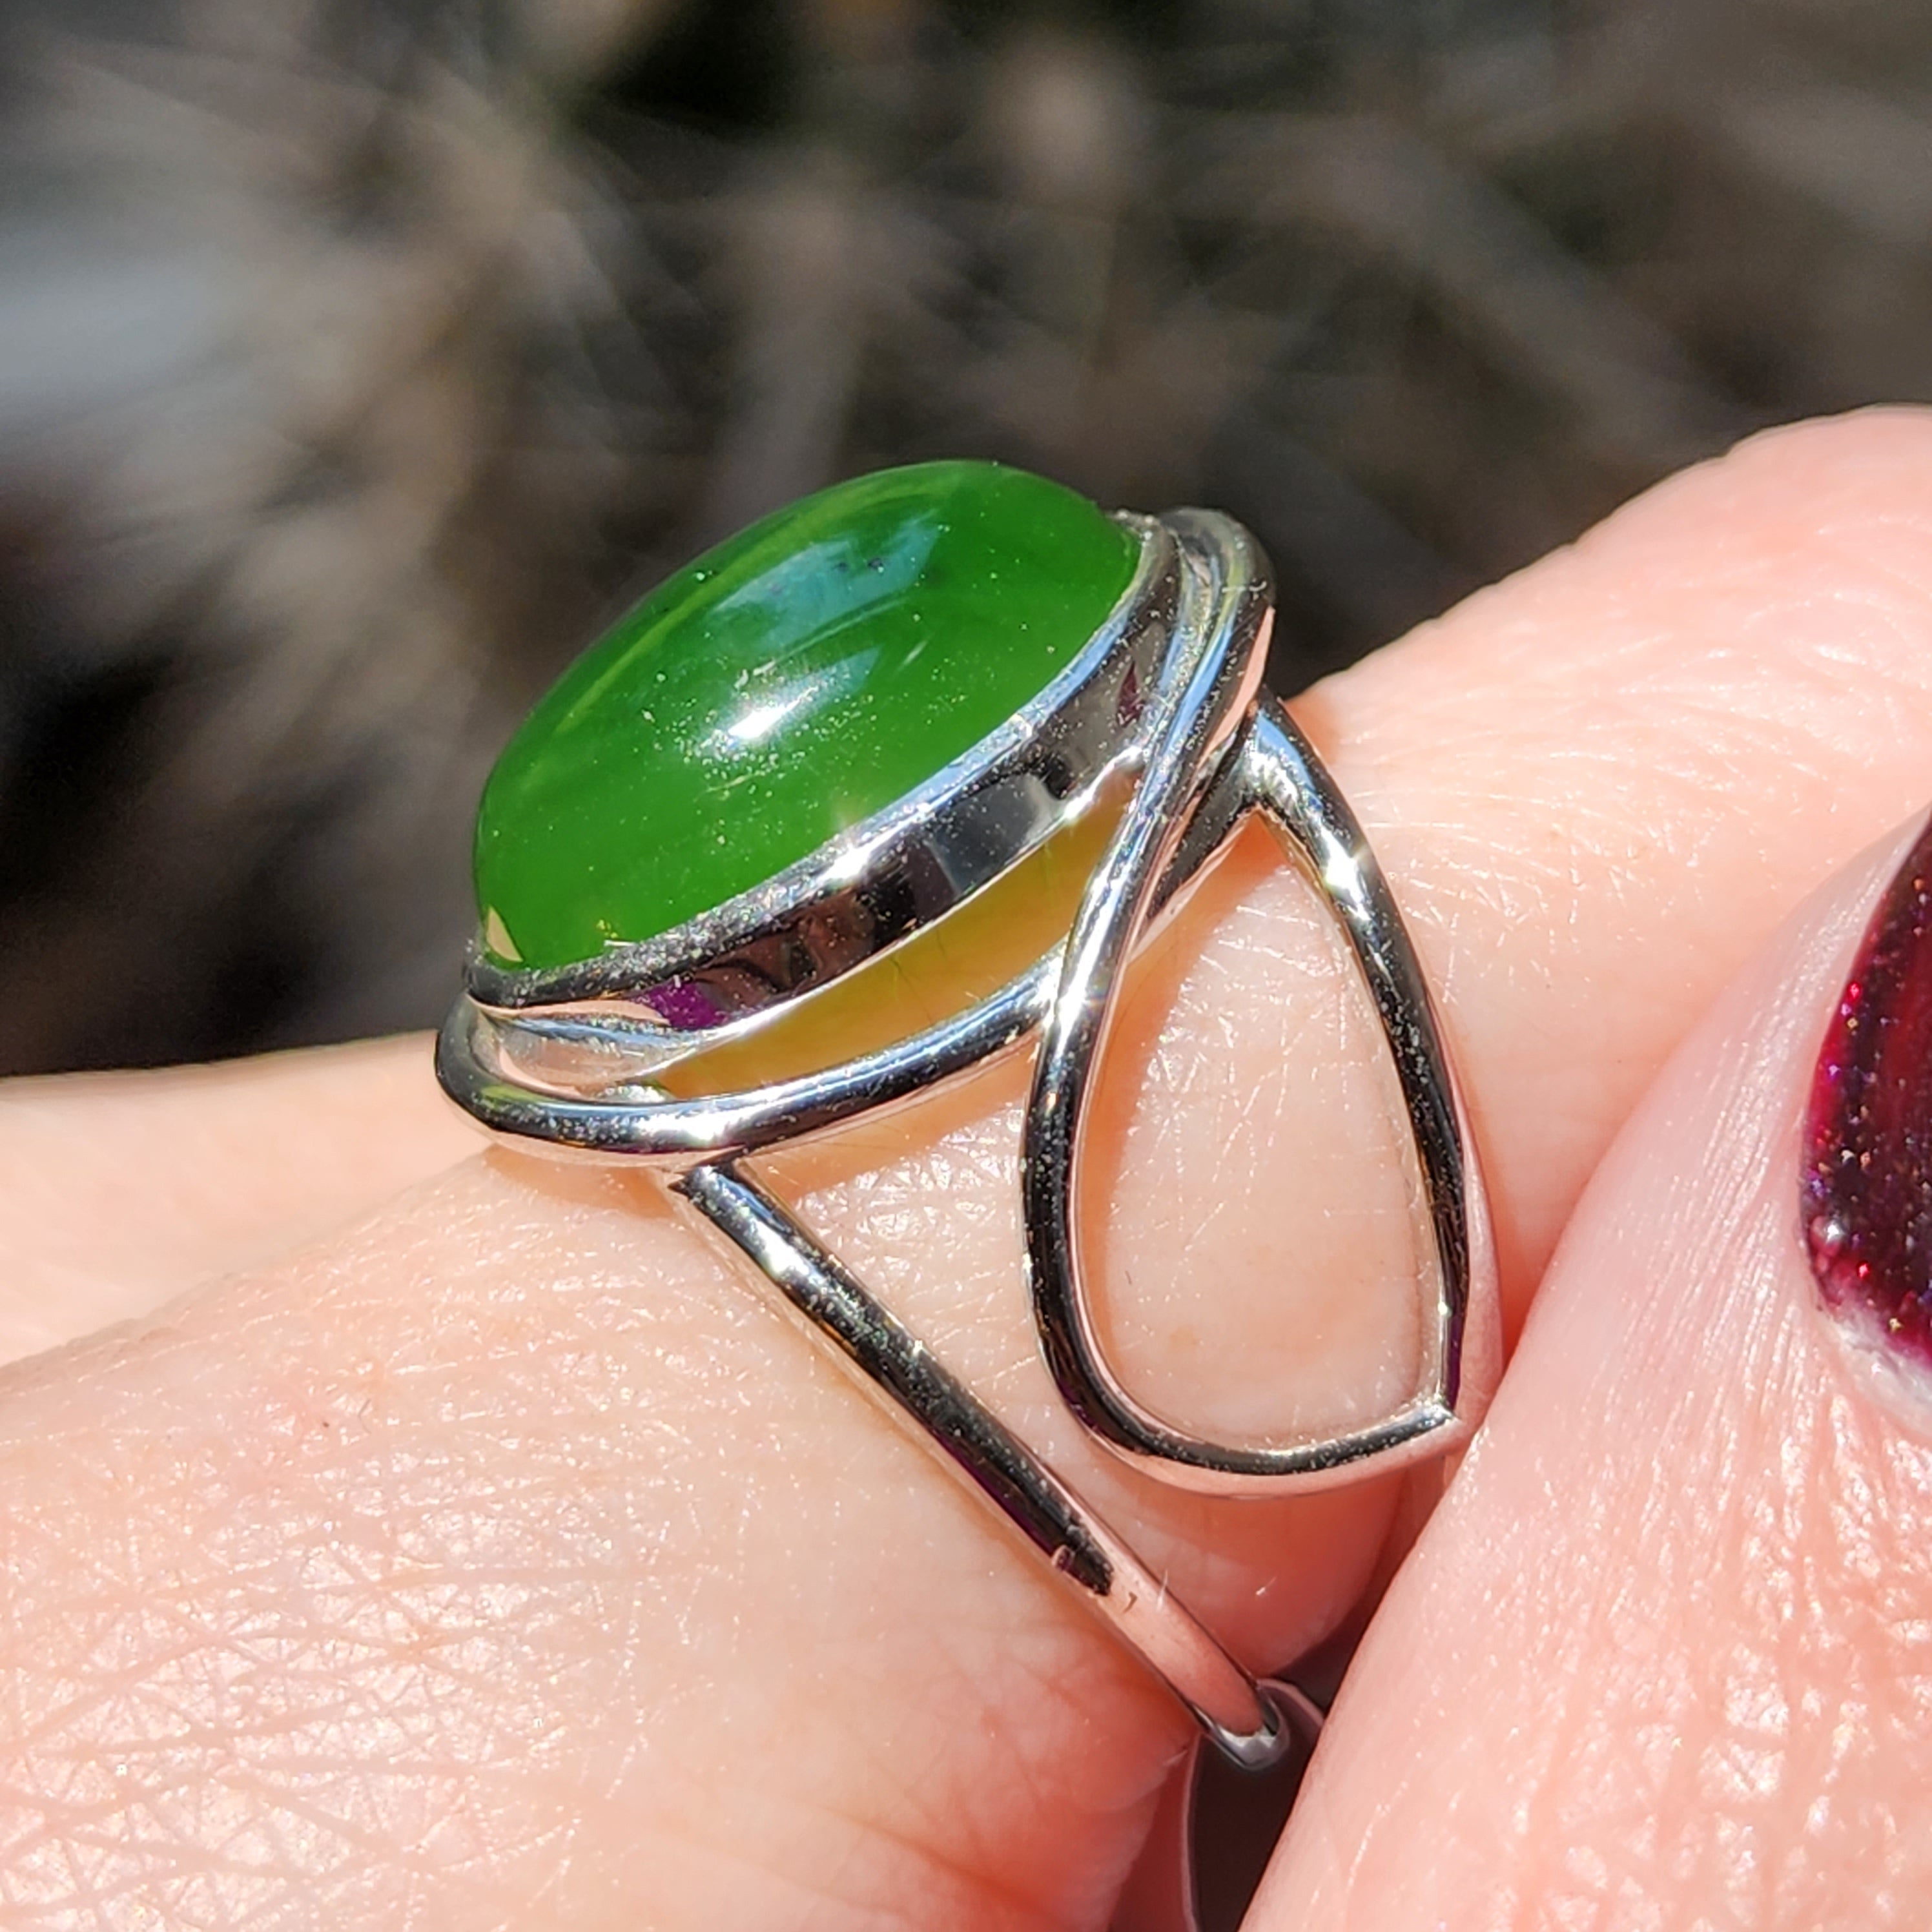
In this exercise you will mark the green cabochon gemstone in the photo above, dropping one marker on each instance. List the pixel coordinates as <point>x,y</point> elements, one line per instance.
<point>793,681</point>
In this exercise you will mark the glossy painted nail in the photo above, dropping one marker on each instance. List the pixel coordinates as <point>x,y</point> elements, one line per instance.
<point>1867,1190</point>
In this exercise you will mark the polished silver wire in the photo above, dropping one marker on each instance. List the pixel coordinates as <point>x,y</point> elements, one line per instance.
<point>1227,1702</point>
<point>1165,1886</point>
<point>1271,771</point>
<point>565,1059</point>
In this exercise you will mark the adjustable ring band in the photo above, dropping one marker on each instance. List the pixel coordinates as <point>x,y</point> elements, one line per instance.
<point>629,1001</point>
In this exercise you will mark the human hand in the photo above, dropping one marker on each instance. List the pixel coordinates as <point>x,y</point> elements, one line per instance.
<point>500,1557</point>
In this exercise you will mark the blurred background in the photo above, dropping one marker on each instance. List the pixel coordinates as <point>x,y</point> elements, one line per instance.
<point>357,356</point>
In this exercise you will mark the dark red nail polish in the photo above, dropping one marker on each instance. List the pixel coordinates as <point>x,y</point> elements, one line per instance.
<point>1868,1186</point>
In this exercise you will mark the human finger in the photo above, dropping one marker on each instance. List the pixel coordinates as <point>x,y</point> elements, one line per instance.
<point>1660,1658</point>
<point>521,1513</point>
<point>121,1190</point>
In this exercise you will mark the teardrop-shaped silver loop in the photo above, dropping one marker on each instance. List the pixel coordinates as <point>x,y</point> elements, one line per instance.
<point>1202,779</point>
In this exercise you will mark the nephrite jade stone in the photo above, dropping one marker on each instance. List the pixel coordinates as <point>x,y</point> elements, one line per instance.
<point>788,684</point>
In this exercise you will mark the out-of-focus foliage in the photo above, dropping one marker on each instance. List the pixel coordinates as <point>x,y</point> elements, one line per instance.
<point>354,355</point>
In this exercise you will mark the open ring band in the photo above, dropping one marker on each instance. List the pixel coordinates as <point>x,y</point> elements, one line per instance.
<point>1159,740</point>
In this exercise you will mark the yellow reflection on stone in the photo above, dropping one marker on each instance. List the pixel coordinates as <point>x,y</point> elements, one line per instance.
<point>937,974</point>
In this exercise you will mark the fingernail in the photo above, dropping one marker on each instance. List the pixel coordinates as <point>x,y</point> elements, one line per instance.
<point>1867,1183</point>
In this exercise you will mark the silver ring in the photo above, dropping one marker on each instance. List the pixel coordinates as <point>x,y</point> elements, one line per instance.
<point>1160,733</point>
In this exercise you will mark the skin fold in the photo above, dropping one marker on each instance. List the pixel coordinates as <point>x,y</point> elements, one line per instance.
<point>492,1557</point>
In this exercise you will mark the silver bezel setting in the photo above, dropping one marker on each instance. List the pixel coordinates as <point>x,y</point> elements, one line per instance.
<point>899,870</point>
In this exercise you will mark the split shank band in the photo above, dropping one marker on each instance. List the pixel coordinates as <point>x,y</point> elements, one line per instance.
<point>1162,720</point>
